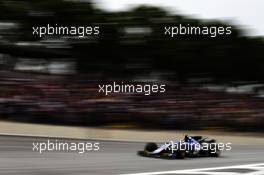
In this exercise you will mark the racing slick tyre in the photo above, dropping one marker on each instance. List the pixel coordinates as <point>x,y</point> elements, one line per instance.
<point>150,147</point>
<point>180,154</point>
<point>214,151</point>
<point>216,154</point>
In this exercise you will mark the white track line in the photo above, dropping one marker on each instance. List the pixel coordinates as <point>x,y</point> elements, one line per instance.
<point>258,169</point>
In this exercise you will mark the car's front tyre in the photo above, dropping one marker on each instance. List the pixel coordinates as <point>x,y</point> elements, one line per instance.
<point>214,151</point>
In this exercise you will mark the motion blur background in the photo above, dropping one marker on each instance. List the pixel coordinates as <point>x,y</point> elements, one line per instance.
<point>212,83</point>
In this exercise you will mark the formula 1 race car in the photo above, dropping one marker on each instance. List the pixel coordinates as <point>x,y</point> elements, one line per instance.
<point>190,146</point>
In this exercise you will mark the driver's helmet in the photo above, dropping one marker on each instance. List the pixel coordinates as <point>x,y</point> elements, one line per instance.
<point>186,138</point>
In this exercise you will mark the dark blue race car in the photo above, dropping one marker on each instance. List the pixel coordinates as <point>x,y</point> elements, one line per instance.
<point>190,146</point>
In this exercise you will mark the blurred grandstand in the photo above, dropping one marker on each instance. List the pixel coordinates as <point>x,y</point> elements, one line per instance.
<point>74,100</point>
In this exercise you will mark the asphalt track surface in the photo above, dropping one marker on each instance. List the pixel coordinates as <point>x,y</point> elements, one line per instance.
<point>18,158</point>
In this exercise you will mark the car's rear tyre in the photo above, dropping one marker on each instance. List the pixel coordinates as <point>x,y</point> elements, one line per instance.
<point>150,147</point>
<point>180,154</point>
